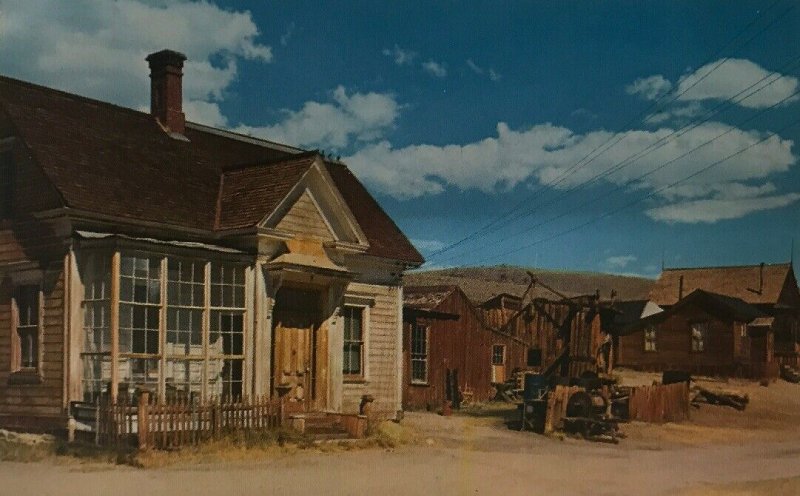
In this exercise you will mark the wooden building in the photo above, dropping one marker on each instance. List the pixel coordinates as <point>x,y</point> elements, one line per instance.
<point>443,334</point>
<point>485,344</point>
<point>551,328</point>
<point>703,333</point>
<point>771,288</point>
<point>141,251</point>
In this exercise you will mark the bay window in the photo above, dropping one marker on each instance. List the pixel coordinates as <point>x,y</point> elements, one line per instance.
<point>181,326</point>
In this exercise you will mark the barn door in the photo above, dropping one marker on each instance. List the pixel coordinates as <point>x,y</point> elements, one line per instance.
<point>498,363</point>
<point>295,322</point>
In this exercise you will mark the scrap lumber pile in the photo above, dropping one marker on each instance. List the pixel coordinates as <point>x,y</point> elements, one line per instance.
<point>732,398</point>
<point>790,374</point>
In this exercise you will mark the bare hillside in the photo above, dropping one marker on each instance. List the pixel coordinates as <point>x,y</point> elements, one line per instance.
<point>482,283</point>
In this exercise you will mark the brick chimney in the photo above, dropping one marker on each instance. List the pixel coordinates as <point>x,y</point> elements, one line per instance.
<point>166,93</point>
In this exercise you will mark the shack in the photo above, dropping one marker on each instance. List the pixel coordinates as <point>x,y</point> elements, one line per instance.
<point>771,288</point>
<point>703,333</point>
<point>449,351</point>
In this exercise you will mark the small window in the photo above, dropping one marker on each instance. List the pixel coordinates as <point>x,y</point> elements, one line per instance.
<point>498,354</point>
<point>27,327</point>
<point>419,354</point>
<point>6,184</point>
<point>699,336</point>
<point>650,338</point>
<point>353,364</point>
<point>534,357</point>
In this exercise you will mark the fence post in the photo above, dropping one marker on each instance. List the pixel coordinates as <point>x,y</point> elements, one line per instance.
<point>97,422</point>
<point>143,424</point>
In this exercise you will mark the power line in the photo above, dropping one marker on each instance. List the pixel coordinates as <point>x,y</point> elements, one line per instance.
<point>655,146</point>
<point>640,199</point>
<point>647,110</point>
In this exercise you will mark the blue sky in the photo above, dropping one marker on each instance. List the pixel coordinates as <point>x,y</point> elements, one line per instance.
<point>616,133</point>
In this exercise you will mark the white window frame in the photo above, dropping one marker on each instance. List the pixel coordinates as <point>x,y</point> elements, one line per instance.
<point>17,366</point>
<point>503,354</point>
<point>365,326</point>
<point>426,360</point>
<point>699,335</point>
<point>650,339</point>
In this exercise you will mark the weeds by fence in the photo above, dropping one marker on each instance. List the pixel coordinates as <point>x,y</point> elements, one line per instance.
<point>177,423</point>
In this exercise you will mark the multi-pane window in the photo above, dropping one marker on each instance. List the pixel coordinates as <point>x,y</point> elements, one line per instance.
<point>353,363</point>
<point>27,300</point>
<point>699,336</point>
<point>201,335</point>
<point>650,338</point>
<point>419,353</point>
<point>184,345</point>
<point>226,330</point>
<point>96,348</point>
<point>498,354</point>
<point>139,317</point>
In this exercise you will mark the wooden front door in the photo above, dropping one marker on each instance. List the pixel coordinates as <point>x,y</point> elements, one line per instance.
<point>295,324</point>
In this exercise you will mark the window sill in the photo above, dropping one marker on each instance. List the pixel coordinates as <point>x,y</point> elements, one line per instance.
<point>355,380</point>
<point>420,384</point>
<point>24,378</point>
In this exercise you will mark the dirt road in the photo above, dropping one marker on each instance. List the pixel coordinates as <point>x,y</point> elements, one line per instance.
<point>467,456</point>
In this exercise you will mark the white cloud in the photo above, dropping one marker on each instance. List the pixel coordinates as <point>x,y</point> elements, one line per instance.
<point>435,69</point>
<point>731,77</point>
<point>97,48</point>
<point>474,67</point>
<point>399,55</point>
<point>715,209</point>
<point>545,154</point>
<point>682,113</point>
<point>428,245</point>
<point>649,88</point>
<point>287,35</point>
<point>491,73</point>
<point>207,113</point>
<point>620,261</point>
<point>336,124</point>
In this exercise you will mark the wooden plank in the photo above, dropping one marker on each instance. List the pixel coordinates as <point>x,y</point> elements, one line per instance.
<point>114,323</point>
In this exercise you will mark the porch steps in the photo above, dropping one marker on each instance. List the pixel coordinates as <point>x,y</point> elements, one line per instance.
<point>321,426</point>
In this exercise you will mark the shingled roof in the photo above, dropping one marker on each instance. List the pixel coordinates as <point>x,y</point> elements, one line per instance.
<point>747,283</point>
<point>726,307</point>
<point>115,161</point>
<point>426,297</point>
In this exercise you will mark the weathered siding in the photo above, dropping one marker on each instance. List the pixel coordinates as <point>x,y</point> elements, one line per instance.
<point>543,323</point>
<point>37,406</point>
<point>724,347</point>
<point>463,345</point>
<point>304,218</point>
<point>381,354</point>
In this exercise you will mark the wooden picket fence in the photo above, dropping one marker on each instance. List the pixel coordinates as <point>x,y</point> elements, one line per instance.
<point>659,403</point>
<point>176,423</point>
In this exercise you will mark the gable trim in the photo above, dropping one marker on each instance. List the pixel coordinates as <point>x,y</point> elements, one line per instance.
<point>348,227</point>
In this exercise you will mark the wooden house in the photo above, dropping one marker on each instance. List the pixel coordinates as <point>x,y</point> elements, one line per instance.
<point>138,250</point>
<point>771,288</point>
<point>568,327</point>
<point>443,333</point>
<point>485,344</point>
<point>703,333</point>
